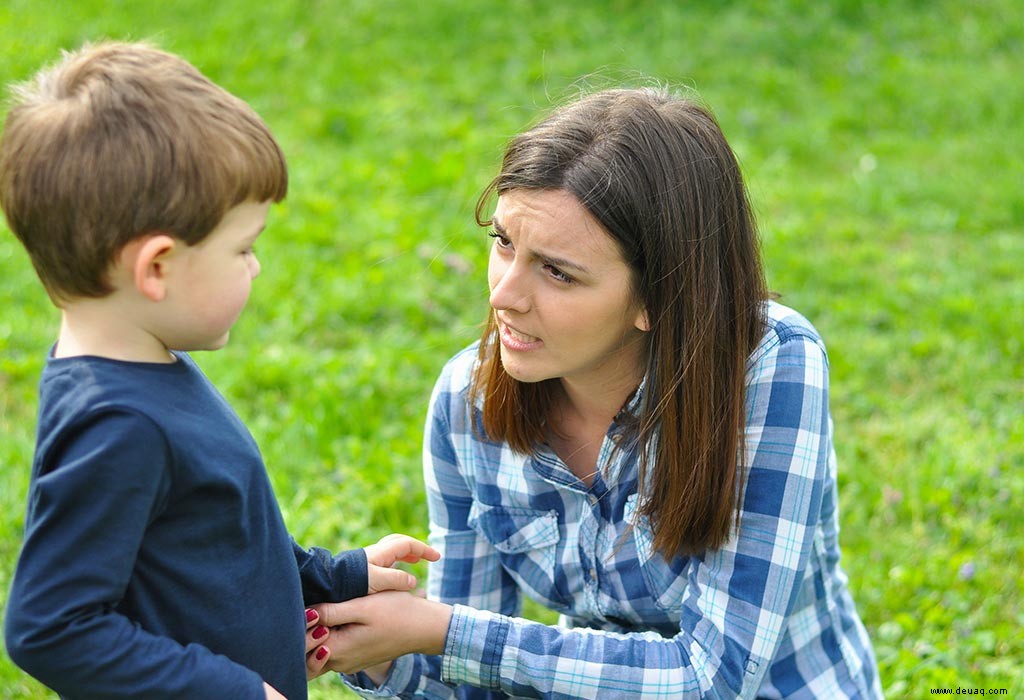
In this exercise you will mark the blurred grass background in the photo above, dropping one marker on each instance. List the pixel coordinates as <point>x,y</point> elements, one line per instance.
<point>882,144</point>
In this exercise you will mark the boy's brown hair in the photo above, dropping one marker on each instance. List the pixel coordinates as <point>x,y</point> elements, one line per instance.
<point>118,140</point>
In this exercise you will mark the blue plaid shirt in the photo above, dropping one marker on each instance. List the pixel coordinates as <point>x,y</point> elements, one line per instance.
<point>768,615</point>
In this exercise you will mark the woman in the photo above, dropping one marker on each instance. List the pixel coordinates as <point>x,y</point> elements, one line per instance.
<point>641,441</point>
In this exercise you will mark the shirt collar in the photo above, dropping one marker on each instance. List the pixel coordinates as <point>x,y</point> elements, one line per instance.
<point>633,403</point>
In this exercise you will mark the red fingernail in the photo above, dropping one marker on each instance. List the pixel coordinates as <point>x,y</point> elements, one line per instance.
<point>311,615</point>
<point>321,653</point>
<point>319,632</point>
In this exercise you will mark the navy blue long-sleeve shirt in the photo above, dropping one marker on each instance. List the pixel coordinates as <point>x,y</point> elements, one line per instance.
<point>156,562</point>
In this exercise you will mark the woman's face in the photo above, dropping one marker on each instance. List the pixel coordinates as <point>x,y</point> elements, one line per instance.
<point>562,293</point>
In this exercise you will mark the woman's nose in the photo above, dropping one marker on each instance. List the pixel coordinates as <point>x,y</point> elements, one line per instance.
<point>509,288</point>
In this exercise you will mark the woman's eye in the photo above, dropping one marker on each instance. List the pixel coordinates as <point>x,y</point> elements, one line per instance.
<point>558,274</point>
<point>500,240</point>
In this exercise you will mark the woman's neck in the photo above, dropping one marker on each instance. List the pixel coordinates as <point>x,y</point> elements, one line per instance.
<point>581,417</point>
<point>596,400</point>
<point>593,409</point>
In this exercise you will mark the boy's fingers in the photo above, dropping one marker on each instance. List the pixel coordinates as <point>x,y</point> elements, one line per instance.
<point>383,579</point>
<point>394,548</point>
<point>415,550</point>
<point>418,550</point>
<point>392,536</point>
<point>335,614</point>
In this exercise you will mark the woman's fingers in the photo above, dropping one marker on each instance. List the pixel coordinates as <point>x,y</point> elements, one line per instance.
<point>353,646</point>
<point>315,637</point>
<point>317,653</point>
<point>312,625</point>
<point>316,661</point>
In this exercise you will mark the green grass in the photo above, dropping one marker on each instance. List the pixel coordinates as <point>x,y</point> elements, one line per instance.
<point>882,146</point>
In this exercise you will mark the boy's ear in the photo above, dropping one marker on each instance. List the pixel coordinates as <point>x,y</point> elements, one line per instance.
<point>147,261</point>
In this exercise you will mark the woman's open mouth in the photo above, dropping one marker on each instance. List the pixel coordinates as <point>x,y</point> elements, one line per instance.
<point>517,340</point>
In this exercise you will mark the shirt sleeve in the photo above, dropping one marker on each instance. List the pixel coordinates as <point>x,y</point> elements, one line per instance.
<point>90,503</point>
<point>736,600</point>
<point>468,571</point>
<point>331,579</point>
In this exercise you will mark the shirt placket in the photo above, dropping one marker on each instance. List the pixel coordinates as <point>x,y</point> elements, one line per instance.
<point>596,538</point>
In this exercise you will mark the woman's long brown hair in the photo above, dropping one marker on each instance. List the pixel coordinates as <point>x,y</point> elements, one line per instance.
<point>656,171</point>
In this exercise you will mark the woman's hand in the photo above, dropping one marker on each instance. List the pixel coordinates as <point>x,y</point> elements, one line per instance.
<point>367,633</point>
<point>316,653</point>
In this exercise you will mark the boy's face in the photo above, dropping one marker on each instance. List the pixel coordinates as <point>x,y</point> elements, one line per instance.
<point>215,280</point>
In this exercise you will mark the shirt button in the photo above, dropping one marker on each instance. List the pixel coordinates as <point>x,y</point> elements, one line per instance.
<point>593,574</point>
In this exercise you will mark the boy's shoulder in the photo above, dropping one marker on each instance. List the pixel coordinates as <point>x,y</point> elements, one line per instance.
<point>83,400</point>
<point>79,386</point>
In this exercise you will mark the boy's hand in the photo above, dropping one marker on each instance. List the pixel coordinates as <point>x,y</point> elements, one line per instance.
<point>388,550</point>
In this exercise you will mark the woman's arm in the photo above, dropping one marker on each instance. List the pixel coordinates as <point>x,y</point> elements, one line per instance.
<point>736,603</point>
<point>737,600</point>
<point>468,572</point>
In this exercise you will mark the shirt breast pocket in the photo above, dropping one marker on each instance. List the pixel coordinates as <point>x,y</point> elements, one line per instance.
<point>527,543</point>
<point>665,580</point>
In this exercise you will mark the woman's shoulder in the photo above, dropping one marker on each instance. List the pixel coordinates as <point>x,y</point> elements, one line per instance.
<point>457,373</point>
<point>783,322</point>
<point>459,366</point>
<point>448,401</point>
<point>784,325</point>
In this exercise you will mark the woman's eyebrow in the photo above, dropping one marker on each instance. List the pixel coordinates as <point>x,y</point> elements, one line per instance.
<point>562,263</point>
<point>549,259</point>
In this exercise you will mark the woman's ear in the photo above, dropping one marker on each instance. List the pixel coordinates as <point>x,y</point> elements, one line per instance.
<point>147,260</point>
<point>641,322</point>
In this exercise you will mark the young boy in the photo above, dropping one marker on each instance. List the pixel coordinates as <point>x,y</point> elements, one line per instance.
<point>156,563</point>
